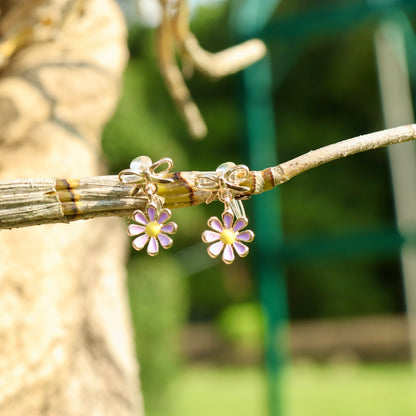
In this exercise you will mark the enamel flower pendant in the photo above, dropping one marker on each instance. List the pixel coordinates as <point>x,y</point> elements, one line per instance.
<point>227,236</point>
<point>152,229</point>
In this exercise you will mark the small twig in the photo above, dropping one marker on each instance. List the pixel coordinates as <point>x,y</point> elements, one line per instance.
<point>26,202</point>
<point>314,158</point>
<point>174,33</point>
<point>174,79</point>
<point>226,62</point>
<point>214,65</point>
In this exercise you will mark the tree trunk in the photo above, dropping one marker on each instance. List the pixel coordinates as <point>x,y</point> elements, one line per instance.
<point>65,333</point>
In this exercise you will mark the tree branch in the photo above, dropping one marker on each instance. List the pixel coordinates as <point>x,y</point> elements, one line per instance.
<point>174,33</point>
<point>26,202</point>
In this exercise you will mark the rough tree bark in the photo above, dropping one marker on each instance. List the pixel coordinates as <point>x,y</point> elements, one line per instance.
<point>65,335</point>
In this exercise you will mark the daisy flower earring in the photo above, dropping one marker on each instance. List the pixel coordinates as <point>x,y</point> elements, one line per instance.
<point>151,226</point>
<point>227,236</point>
<point>152,229</point>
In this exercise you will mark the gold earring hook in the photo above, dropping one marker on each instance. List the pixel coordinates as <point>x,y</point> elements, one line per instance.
<point>143,171</point>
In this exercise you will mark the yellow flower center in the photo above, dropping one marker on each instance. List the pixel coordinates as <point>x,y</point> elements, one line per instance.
<point>152,229</point>
<point>227,236</point>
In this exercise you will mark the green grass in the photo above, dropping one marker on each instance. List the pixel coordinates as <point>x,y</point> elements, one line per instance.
<point>310,390</point>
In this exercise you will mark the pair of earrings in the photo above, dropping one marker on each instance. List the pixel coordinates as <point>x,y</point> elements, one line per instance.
<point>152,226</point>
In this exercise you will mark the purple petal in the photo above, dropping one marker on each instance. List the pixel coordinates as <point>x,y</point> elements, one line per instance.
<point>240,223</point>
<point>245,236</point>
<point>151,212</point>
<point>215,224</point>
<point>139,217</point>
<point>165,240</point>
<point>169,228</point>
<point>140,242</point>
<point>134,229</point>
<point>164,216</point>
<point>227,217</point>
<point>215,249</point>
<point>153,247</point>
<point>240,248</point>
<point>228,255</point>
<point>209,236</point>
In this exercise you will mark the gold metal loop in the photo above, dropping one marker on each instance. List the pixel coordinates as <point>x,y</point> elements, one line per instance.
<point>234,176</point>
<point>150,189</point>
<point>160,176</point>
<point>225,183</point>
<point>130,176</point>
<point>143,171</point>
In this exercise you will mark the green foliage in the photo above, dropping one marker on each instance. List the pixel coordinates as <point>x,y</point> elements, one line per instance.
<point>242,324</point>
<point>159,306</point>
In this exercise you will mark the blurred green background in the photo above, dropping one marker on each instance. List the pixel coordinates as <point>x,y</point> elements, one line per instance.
<point>330,93</point>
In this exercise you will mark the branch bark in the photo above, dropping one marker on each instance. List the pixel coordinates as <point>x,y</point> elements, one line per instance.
<point>26,202</point>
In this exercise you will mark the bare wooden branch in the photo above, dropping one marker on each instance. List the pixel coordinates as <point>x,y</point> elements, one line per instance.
<point>174,33</point>
<point>26,202</point>
<point>214,65</point>
<point>314,158</point>
<point>226,62</point>
<point>174,80</point>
